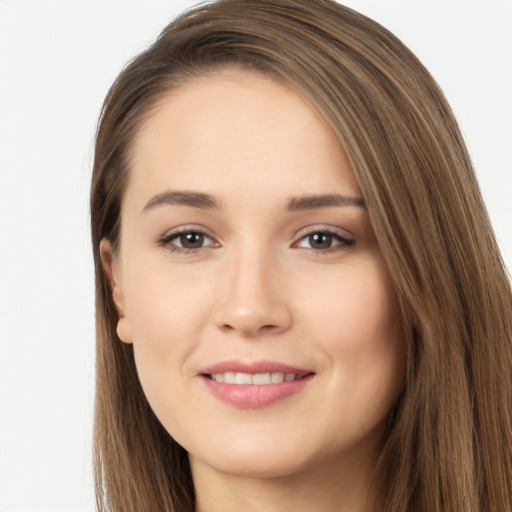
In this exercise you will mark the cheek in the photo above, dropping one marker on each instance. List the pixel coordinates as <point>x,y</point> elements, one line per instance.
<point>167,311</point>
<point>168,315</point>
<point>357,324</point>
<point>356,307</point>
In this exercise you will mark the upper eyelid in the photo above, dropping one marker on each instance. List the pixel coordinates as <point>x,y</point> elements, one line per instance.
<point>344,233</point>
<point>188,229</point>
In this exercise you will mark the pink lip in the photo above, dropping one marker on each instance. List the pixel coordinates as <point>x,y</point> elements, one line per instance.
<point>264,366</point>
<point>253,396</point>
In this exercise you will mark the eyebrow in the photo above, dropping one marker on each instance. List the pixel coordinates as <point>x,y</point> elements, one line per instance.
<point>192,199</point>
<point>209,202</point>
<point>313,202</point>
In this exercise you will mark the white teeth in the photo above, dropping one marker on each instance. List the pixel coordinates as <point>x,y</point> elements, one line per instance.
<point>258,379</point>
<point>261,378</point>
<point>243,378</point>
<point>229,377</point>
<point>276,378</point>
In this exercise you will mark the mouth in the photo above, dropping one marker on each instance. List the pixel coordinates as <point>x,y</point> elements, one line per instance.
<point>256,379</point>
<point>256,384</point>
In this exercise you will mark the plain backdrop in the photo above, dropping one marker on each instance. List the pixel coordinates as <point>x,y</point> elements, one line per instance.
<point>58,59</point>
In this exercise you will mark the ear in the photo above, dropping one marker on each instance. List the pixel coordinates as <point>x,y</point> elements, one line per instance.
<point>111,267</point>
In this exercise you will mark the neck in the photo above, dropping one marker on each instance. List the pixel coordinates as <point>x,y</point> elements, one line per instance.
<point>329,488</point>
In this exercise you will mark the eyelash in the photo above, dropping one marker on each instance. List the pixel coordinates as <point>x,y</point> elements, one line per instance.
<point>166,240</point>
<point>344,243</point>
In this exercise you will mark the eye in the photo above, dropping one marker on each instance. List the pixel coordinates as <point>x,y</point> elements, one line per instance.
<point>187,241</point>
<point>325,241</point>
<point>192,240</point>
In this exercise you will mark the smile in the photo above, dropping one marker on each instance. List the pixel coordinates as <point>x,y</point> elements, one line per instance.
<point>258,379</point>
<point>252,385</point>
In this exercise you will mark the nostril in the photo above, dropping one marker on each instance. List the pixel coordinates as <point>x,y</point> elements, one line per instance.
<point>269,327</point>
<point>249,329</point>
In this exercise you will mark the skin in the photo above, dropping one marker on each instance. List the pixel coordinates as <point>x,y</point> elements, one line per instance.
<point>259,287</point>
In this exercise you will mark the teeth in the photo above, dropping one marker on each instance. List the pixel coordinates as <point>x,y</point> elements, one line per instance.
<point>276,378</point>
<point>259,379</point>
<point>229,377</point>
<point>243,378</point>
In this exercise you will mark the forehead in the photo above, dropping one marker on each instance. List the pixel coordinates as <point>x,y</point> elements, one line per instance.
<point>238,128</point>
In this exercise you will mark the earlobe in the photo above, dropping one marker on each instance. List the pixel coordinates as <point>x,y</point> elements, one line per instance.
<point>124,330</point>
<point>111,268</point>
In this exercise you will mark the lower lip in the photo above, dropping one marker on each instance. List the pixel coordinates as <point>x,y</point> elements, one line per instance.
<point>252,396</point>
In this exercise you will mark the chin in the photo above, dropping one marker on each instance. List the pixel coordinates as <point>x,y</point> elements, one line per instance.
<point>256,467</point>
<point>260,459</point>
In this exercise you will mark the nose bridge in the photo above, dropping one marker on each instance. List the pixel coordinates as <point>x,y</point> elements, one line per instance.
<point>252,301</point>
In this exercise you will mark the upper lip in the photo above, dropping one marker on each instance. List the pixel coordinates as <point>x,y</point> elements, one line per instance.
<point>253,367</point>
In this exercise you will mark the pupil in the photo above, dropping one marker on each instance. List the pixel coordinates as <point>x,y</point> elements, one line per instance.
<point>192,240</point>
<point>320,241</point>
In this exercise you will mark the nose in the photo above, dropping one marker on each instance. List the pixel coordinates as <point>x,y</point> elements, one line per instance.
<point>253,301</point>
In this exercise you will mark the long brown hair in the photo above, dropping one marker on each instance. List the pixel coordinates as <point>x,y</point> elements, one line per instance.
<point>449,441</point>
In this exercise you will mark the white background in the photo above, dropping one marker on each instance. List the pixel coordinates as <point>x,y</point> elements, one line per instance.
<point>58,58</point>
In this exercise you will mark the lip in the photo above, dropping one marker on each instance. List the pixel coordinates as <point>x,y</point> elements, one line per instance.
<point>262,366</point>
<point>254,396</point>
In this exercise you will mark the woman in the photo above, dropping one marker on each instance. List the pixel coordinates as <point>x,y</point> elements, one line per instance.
<point>300,301</point>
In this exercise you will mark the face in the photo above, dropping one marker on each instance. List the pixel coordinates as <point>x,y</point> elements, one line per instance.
<point>265,328</point>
